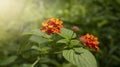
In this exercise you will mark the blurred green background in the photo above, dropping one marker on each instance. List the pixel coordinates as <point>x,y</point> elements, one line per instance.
<point>98,17</point>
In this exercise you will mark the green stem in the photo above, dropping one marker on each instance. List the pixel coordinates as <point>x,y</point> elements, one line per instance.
<point>35,62</point>
<point>70,39</point>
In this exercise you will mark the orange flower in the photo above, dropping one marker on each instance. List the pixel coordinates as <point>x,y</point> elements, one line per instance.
<point>52,25</point>
<point>90,41</point>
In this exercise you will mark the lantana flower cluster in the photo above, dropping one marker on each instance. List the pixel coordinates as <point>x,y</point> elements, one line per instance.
<point>90,41</point>
<point>54,25</point>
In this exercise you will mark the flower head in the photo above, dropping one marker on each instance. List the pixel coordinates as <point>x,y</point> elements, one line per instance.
<point>90,41</point>
<point>52,25</point>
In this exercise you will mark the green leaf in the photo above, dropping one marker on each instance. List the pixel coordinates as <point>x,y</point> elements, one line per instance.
<point>8,60</point>
<point>38,39</point>
<point>74,42</point>
<point>63,41</point>
<point>38,32</point>
<point>80,57</point>
<point>68,34</point>
<point>36,48</point>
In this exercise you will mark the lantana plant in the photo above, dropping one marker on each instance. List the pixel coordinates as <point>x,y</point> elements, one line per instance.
<point>54,38</point>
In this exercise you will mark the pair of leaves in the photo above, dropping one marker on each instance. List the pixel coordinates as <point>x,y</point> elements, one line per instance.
<point>72,42</point>
<point>80,57</point>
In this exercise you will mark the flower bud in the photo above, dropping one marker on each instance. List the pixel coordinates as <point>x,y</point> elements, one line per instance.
<point>75,28</point>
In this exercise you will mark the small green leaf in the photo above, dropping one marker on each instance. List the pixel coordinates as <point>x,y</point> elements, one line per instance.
<point>36,48</point>
<point>63,41</point>
<point>74,42</point>
<point>80,57</point>
<point>68,34</point>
